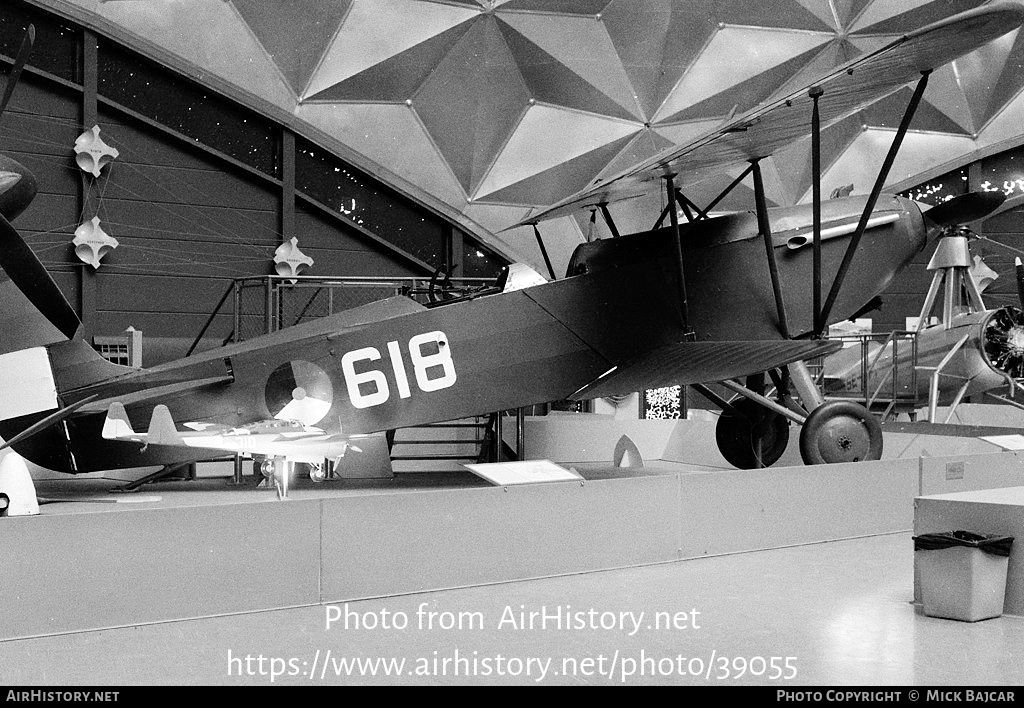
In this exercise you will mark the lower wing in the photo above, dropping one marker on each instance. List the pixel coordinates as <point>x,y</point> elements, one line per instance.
<point>686,363</point>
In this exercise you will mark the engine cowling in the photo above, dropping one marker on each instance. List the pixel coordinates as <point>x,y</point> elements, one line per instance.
<point>1002,341</point>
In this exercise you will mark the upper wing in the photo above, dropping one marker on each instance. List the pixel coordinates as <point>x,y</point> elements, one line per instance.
<point>701,362</point>
<point>761,131</point>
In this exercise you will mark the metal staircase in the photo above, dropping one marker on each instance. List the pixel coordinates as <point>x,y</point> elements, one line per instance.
<point>443,447</point>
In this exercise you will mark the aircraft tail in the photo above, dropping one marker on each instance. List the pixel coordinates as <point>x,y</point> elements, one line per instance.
<point>117,424</point>
<point>162,430</point>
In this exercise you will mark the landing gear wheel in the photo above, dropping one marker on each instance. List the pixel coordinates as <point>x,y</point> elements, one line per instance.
<point>318,473</point>
<point>753,437</point>
<point>840,431</point>
<point>266,468</point>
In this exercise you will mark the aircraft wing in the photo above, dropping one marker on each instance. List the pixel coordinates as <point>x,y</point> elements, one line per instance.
<point>295,441</point>
<point>701,362</point>
<point>762,130</point>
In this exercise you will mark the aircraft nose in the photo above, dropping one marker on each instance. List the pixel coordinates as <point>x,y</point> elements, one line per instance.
<point>17,187</point>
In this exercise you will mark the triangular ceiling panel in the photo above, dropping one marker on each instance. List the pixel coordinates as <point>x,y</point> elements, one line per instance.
<point>1002,58</point>
<point>548,137</point>
<point>399,77</point>
<point>835,52</point>
<point>788,14</point>
<point>733,57</point>
<point>656,40</point>
<point>945,94</point>
<point>377,29</point>
<point>1005,126</point>
<point>888,113</point>
<point>550,81</point>
<point>823,11</point>
<point>643,145</point>
<point>295,40</point>
<point>471,130</point>
<point>848,10</point>
<point>583,46</point>
<point>898,16</point>
<point>920,152</point>
<point>392,136</point>
<point>203,43</point>
<point>528,99</point>
<point>559,182</point>
<point>569,7</point>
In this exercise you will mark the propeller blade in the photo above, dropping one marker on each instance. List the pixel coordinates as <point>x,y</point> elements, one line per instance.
<point>24,269</point>
<point>965,208</point>
<point>1020,281</point>
<point>19,64</point>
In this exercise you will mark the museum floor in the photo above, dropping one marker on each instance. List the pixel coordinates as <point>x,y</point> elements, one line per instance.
<point>841,609</point>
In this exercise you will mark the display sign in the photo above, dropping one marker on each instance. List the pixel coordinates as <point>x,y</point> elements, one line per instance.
<point>504,474</point>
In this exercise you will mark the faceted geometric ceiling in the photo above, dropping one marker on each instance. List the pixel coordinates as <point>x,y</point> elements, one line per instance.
<point>488,108</point>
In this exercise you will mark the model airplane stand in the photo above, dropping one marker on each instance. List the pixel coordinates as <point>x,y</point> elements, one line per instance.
<point>17,492</point>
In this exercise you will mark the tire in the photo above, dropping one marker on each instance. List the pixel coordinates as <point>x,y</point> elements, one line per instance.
<point>840,431</point>
<point>738,435</point>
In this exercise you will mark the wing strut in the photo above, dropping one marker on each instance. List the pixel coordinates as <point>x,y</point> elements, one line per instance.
<point>544,251</point>
<point>897,140</point>
<point>670,188</point>
<point>766,233</point>
<point>725,192</point>
<point>816,93</point>
<point>687,206</point>
<point>608,219</point>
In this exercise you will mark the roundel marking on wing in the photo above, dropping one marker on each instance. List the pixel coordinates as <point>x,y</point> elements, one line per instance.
<point>299,390</point>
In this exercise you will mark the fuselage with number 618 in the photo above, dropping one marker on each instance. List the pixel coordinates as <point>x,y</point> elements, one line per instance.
<point>613,324</point>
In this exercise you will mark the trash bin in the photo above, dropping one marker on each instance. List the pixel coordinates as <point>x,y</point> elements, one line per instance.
<point>962,574</point>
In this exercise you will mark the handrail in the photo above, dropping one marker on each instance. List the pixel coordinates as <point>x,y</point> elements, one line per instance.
<point>889,374</point>
<point>933,391</point>
<point>274,287</point>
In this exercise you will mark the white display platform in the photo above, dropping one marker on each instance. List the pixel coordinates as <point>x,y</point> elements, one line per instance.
<point>204,548</point>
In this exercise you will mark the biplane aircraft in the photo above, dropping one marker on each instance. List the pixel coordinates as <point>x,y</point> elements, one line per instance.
<point>715,300</point>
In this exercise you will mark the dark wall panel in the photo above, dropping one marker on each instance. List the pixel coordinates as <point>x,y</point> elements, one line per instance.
<point>42,118</point>
<point>141,257</point>
<point>169,222</point>
<point>340,251</point>
<point>120,292</point>
<point>140,144</point>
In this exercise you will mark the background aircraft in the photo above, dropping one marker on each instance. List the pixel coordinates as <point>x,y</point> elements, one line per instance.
<point>971,350</point>
<point>709,301</point>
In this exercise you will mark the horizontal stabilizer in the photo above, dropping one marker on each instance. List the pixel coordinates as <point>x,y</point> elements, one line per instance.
<point>161,428</point>
<point>686,363</point>
<point>117,425</point>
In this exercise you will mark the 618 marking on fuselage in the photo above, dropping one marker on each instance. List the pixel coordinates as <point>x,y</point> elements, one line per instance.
<point>422,364</point>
